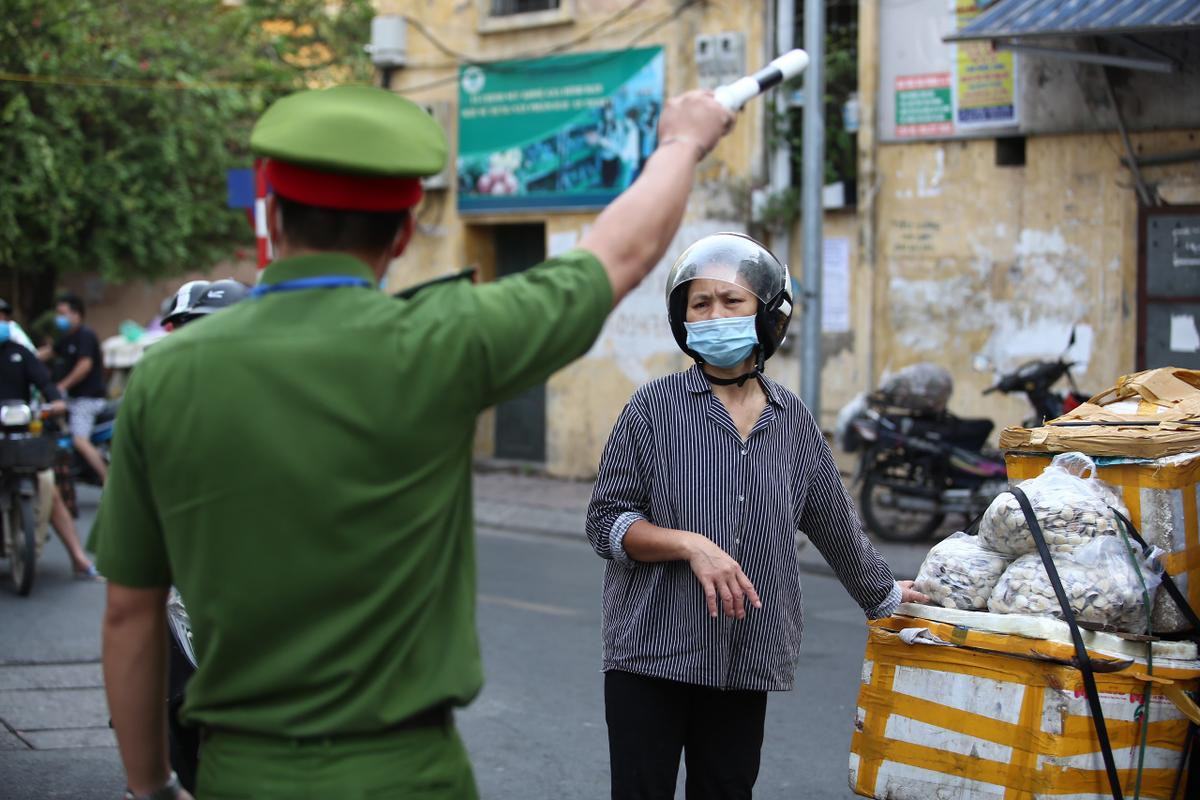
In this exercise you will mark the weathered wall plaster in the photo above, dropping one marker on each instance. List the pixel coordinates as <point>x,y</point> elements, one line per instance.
<point>1006,261</point>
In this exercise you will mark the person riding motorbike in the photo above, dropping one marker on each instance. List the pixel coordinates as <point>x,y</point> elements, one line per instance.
<point>192,301</point>
<point>15,332</point>
<point>77,350</point>
<point>197,299</point>
<point>176,309</point>
<point>21,370</point>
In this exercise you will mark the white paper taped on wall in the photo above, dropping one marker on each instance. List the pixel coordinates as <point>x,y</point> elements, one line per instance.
<point>561,242</point>
<point>835,285</point>
<point>1186,243</point>
<point>1184,336</point>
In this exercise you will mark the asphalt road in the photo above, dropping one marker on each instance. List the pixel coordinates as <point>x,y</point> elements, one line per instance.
<point>536,730</point>
<point>54,736</point>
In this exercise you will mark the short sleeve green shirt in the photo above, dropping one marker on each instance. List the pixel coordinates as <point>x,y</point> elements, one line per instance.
<point>299,466</point>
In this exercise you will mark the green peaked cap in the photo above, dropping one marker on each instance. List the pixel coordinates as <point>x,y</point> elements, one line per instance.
<point>362,130</point>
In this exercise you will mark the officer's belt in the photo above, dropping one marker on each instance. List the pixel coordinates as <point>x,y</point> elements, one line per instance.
<point>439,716</point>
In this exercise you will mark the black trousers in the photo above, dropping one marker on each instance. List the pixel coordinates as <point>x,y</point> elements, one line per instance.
<point>650,721</point>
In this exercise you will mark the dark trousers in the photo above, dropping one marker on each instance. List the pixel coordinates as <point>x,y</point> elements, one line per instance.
<point>650,721</point>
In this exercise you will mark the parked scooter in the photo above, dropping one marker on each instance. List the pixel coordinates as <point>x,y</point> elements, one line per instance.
<point>1036,379</point>
<point>23,454</point>
<point>183,741</point>
<point>919,462</point>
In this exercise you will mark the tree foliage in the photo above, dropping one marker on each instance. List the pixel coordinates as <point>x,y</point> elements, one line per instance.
<point>118,120</point>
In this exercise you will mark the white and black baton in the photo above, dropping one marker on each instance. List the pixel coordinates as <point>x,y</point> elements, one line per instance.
<point>735,95</point>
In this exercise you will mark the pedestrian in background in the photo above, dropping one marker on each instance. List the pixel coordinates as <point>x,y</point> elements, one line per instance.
<point>702,486</point>
<point>80,378</point>
<point>300,465</point>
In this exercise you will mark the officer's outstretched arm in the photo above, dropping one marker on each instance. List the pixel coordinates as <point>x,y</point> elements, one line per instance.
<point>632,234</point>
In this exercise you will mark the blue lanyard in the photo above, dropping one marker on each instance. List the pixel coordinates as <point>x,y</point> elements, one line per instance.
<point>321,282</point>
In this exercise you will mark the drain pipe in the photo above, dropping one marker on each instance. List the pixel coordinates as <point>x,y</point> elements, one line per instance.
<point>812,205</point>
<point>781,156</point>
<point>1143,191</point>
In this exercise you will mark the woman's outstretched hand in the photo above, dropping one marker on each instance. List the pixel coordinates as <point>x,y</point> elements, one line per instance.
<point>721,577</point>
<point>910,595</point>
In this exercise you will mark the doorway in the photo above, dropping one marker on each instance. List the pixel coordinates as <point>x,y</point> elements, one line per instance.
<point>521,421</point>
<point>1169,287</point>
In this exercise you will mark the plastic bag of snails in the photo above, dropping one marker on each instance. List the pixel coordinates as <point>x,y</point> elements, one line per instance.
<point>959,573</point>
<point>1099,578</point>
<point>1071,504</point>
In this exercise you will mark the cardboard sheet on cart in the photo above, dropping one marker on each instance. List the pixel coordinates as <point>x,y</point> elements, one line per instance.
<point>964,705</point>
<point>1146,415</point>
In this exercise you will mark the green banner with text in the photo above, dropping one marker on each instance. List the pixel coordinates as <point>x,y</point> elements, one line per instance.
<point>561,132</point>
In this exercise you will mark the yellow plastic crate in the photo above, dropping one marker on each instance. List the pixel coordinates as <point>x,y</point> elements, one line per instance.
<point>994,716</point>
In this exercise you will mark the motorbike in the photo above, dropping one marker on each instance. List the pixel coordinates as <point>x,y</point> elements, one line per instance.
<point>1036,380</point>
<point>70,468</point>
<point>920,463</point>
<point>917,468</point>
<point>23,453</point>
<point>183,742</point>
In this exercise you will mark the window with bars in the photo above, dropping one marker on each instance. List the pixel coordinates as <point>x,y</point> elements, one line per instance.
<point>510,15</point>
<point>841,95</point>
<point>504,8</point>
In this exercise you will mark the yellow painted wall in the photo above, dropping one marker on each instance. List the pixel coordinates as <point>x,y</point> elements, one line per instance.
<point>843,366</point>
<point>1003,261</point>
<point>584,399</point>
<point>955,256</point>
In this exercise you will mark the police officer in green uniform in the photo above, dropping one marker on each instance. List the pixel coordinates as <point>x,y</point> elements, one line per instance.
<point>300,465</point>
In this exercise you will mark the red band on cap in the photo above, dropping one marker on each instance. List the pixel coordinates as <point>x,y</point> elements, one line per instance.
<point>341,190</point>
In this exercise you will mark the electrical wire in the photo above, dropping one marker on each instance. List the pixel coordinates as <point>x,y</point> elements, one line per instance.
<point>464,58</point>
<point>599,59</point>
<point>125,83</point>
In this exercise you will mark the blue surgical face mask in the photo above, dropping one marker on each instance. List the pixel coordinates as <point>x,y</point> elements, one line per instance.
<point>62,322</point>
<point>5,332</point>
<point>724,342</point>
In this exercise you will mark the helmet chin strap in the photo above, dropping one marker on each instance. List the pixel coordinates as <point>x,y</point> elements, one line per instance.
<point>740,380</point>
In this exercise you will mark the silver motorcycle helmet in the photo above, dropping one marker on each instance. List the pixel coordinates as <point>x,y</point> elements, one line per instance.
<point>734,258</point>
<point>182,302</point>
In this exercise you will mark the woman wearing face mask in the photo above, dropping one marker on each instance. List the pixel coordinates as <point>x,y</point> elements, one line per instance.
<point>706,477</point>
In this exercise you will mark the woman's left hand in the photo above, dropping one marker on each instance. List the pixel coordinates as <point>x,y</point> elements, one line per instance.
<point>910,595</point>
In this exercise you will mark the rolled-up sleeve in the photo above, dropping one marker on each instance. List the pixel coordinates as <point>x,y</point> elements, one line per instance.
<point>621,495</point>
<point>533,323</point>
<point>128,535</point>
<point>828,517</point>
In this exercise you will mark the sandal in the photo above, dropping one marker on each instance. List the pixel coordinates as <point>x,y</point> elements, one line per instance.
<point>89,574</point>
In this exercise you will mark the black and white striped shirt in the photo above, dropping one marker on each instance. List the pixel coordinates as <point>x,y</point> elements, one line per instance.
<point>675,458</point>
